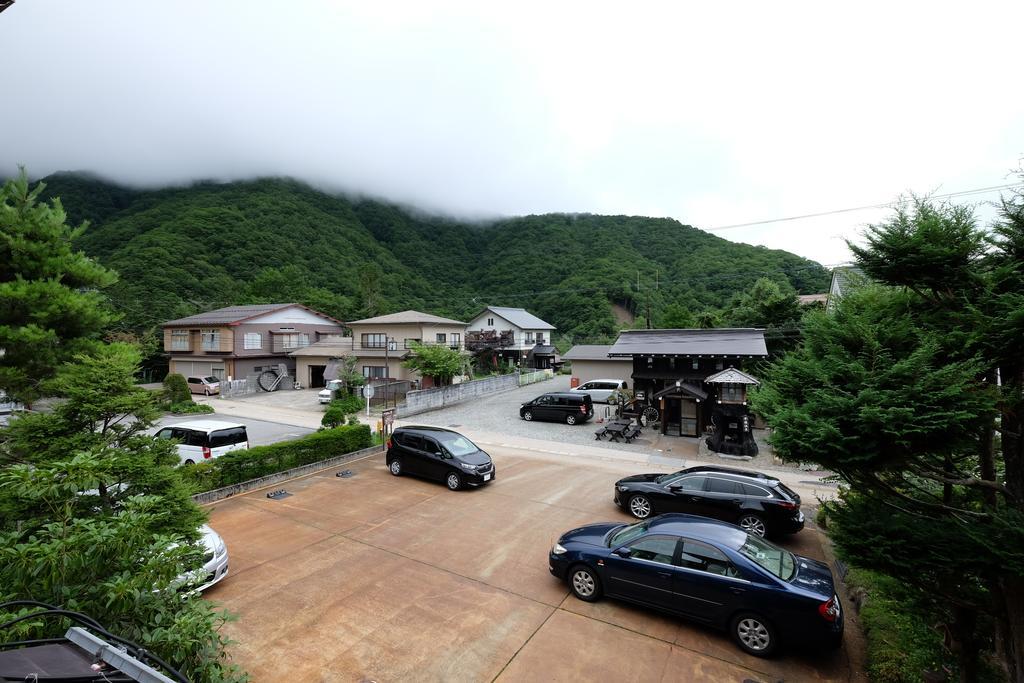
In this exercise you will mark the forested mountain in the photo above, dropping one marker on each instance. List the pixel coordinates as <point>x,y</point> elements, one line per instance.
<point>182,250</point>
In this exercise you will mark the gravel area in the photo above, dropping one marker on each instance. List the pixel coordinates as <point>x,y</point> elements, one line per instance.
<point>499,414</point>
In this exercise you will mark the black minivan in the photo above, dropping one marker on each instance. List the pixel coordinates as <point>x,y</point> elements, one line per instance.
<point>440,454</point>
<point>570,408</point>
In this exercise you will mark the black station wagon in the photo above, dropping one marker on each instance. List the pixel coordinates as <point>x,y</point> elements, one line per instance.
<point>439,454</point>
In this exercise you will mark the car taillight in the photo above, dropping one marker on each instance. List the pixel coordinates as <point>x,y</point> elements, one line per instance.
<point>583,408</point>
<point>829,611</point>
<point>389,444</point>
<point>786,505</point>
<point>206,452</point>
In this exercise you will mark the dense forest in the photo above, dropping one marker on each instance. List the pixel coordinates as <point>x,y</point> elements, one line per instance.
<point>187,249</point>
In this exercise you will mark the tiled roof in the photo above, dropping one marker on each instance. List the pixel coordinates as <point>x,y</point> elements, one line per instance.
<point>588,352</point>
<point>520,317</point>
<point>731,376</point>
<point>715,342</point>
<point>407,317</point>
<point>228,314</point>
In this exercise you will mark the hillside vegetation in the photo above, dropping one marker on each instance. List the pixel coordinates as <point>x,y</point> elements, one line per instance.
<point>182,250</point>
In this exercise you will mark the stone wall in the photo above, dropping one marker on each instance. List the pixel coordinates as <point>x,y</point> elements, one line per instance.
<point>417,402</point>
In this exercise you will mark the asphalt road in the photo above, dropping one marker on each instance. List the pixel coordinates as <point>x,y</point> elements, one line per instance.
<point>260,432</point>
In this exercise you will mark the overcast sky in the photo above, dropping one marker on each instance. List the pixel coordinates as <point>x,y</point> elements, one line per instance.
<point>716,114</point>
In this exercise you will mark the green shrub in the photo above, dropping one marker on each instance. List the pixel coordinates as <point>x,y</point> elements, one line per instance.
<point>349,404</point>
<point>238,466</point>
<point>176,389</point>
<point>333,416</point>
<point>190,408</point>
<point>901,645</point>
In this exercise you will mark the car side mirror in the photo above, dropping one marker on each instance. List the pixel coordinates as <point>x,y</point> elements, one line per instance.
<point>675,488</point>
<point>622,552</point>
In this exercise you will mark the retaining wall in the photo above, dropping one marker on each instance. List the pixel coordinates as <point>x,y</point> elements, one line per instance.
<point>417,402</point>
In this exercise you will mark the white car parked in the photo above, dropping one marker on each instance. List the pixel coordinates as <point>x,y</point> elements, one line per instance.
<point>200,440</point>
<point>601,390</point>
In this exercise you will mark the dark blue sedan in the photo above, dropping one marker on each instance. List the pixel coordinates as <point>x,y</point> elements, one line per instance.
<point>709,571</point>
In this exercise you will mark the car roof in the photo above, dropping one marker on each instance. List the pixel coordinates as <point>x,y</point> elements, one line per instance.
<point>742,474</point>
<point>426,428</point>
<point>568,394</point>
<point>699,529</point>
<point>604,379</point>
<point>206,425</point>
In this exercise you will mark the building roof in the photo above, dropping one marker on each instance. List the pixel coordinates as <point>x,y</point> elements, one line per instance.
<point>407,317</point>
<point>731,376</point>
<point>233,315</point>
<point>519,317</point>
<point>682,388</point>
<point>328,347</point>
<point>807,299</point>
<point>588,352</point>
<point>715,342</point>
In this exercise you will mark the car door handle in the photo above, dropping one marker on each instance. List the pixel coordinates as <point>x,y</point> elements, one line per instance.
<point>665,574</point>
<point>737,590</point>
<point>735,501</point>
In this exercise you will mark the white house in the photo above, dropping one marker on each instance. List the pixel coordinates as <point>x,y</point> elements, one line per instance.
<point>513,335</point>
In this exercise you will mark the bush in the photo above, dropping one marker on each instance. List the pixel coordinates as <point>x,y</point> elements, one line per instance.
<point>349,404</point>
<point>333,417</point>
<point>238,466</point>
<point>176,390</point>
<point>189,408</point>
<point>901,645</point>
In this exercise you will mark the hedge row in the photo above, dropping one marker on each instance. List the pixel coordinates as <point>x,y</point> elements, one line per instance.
<point>238,466</point>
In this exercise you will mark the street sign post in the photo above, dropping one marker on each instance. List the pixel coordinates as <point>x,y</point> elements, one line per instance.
<point>368,393</point>
<point>387,422</point>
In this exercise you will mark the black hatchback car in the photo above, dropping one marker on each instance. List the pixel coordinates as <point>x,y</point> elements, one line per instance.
<point>753,501</point>
<point>440,454</point>
<point>708,571</point>
<point>562,406</point>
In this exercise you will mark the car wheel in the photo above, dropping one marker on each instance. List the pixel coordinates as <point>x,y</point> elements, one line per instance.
<point>453,481</point>
<point>754,634</point>
<point>570,419</point>
<point>528,416</point>
<point>396,467</point>
<point>189,462</point>
<point>584,583</point>
<point>752,524</point>
<point>206,391</point>
<point>640,507</point>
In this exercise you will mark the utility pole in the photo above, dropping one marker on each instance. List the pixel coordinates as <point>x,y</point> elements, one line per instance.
<point>387,368</point>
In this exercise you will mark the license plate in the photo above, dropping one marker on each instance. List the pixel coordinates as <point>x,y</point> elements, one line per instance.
<point>801,517</point>
<point>487,477</point>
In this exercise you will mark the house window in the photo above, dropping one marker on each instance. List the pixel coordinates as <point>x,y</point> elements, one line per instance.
<point>718,365</point>
<point>696,364</point>
<point>374,341</point>
<point>179,340</point>
<point>732,393</point>
<point>375,372</point>
<point>490,322</point>
<point>540,337</point>
<point>442,338</point>
<point>294,341</point>
<point>456,340</point>
<point>252,340</point>
<point>211,340</point>
<point>529,337</point>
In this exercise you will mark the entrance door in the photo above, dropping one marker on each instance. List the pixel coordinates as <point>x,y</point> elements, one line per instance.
<point>670,421</point>
<point>316,376</point>
<point>688,417</point>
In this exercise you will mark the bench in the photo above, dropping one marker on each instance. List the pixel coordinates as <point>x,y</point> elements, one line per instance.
<point>631,433</point>
<point>600,432</point>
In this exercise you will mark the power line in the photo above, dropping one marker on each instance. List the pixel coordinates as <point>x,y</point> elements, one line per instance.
<point>883,205</point>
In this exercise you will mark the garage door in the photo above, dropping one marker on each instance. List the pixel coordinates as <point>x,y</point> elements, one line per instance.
<point>316,376</point>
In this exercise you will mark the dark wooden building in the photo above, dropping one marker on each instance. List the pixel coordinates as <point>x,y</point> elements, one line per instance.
<point>695,380</point>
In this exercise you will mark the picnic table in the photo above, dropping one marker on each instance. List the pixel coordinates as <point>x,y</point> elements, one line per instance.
<point>618,429</point>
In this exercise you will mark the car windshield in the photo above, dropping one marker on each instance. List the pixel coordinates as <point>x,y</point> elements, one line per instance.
<point>671,475</point>
<point>457,444</point>
<point>627,533</point>
<point>210,380</point>
<point>779,562</point>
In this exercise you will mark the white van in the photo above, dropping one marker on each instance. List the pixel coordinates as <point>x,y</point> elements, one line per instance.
<point>200,440</point>
<point>601,390</point>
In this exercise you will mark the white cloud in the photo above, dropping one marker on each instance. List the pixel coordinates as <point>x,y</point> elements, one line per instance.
<point>712,115</point>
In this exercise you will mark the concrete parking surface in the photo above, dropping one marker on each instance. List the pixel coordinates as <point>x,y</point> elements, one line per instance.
<point>377,578</point>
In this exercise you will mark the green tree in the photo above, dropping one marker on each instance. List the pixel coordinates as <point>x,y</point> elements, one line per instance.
<point>896,392</point>
<point>50,308</point>
<point>676,317</point>
<point>439,362</point>
<point>771,306</point>
<point>176,389</point>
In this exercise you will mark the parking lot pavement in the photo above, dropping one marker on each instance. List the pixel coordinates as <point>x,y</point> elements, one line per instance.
<point>381,578</point>
<point>260,432</point>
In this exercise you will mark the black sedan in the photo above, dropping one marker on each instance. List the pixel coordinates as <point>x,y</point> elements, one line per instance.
<point>757,503</point>
<point>708,571</point>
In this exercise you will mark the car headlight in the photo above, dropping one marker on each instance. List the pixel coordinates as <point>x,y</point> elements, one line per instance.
<point>623,488</point>
<point>559,549</point>
<point>467,466</point>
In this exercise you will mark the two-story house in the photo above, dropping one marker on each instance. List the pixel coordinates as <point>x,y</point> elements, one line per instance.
<point>380,344</point>
<point>694,379</point>
<point>238,341</point>
<point>512,335</point>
